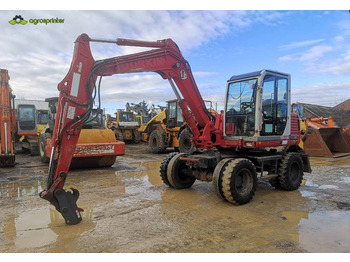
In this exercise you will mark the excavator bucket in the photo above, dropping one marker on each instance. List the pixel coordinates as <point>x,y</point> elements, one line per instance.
<point>346,135</point>
<point>96,148</point>
<point>326,142</point>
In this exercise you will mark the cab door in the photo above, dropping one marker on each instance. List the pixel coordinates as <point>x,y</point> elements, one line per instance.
<point>274,105</point>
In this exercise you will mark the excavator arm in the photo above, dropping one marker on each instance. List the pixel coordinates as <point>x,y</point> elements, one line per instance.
<point>81,86</point>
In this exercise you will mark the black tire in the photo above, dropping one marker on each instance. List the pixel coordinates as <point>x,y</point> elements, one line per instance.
<point>42,145</point>
<point>185,142</point>
<point>177,173</point>
<point>118,135</point>
<point>156,142</point>
<point>34,149</point>
<point>290,173</point>
<point>136,137</point>
<point>217,177</point>
<point>239,181</point>
<point>164,168</point>
<point>275,183</point>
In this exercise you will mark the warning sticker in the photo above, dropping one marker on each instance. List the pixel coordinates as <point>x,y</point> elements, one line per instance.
<point>71,112</point>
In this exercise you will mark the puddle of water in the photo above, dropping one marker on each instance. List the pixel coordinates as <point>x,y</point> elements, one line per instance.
<point>21,189</point>
<point>321,232</point>
<point>328,187</point>
<point>325,232</point>
<point>17,178</point>
<point>346,179</point>
<point>44,229</point>
<point>310,183</point>
<point>323,161</point>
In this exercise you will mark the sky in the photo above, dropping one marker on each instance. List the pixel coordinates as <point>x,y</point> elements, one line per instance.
<point>312,45</point>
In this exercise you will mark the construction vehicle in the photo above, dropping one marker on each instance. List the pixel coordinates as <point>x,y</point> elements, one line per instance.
<point>31,120</point>
<point>165,130</point>
<point>96,146</point>
<point>7,120</point>
<point>124,126</point>
<point>321,137</point>
<point>256,133</point>
<point>142,122</point>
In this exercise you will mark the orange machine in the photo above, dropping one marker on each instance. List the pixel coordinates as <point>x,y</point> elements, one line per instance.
<point>324,139</point>
<point>7,120</point>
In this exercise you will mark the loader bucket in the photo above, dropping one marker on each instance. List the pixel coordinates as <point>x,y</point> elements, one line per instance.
<point>326,142</point>
<point>346,135</point>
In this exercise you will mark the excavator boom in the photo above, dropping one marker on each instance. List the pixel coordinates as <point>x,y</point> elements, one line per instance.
<point>78,90</point>
<point>7,120</point>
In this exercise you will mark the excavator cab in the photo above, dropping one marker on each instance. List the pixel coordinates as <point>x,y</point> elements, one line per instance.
<point>27,120</point>
<point>257,105</point>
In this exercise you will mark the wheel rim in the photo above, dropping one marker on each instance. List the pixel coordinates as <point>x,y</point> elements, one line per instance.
<point>187,143</point>
<point>181,171</point>
<point>244,182</point>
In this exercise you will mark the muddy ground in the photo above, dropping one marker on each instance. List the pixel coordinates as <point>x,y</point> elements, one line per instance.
<point>129,209</point>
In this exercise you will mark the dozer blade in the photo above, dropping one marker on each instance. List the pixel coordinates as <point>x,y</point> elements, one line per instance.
<point>326,142</point>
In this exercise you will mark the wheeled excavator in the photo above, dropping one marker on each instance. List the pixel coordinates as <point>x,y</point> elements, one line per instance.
<point>256,133</point>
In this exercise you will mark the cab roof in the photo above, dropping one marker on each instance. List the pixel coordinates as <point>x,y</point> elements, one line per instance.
<point>256,73</point>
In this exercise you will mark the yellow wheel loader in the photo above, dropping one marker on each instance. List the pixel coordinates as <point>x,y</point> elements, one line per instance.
<point>124,126</point>
<point>167,129</point>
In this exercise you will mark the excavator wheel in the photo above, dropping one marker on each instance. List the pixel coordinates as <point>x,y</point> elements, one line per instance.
<point>290,172</point>
<point>274,182</point>
<point>164,167</point>
<point>217,177</point>
<point>185,143</point>
<point>178,174</point>
<point>42,145</point>
<point>238,181</point>
<point>156,142</point>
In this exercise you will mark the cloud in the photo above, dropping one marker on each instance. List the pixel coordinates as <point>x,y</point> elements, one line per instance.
<point>327,94</point>
<point>315,53</point>
<point>299,44</point>
<point>38,56</point>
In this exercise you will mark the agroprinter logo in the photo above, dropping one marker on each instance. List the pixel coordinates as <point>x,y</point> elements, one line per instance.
<point>18,19</point>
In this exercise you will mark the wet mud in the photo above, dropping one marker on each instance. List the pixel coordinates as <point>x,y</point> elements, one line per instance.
<point>127,208</point>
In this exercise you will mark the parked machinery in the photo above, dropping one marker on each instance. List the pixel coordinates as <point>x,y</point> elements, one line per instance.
<point>7,121</point>
<point>125,126</point>
<point>96,147</point>
<point>167,129</point>
<point>321,137</point>
<point>256,133</point>
<point>32,117</point>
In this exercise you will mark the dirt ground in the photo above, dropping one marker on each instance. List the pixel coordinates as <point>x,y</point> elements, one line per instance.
<point>128,209</point>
